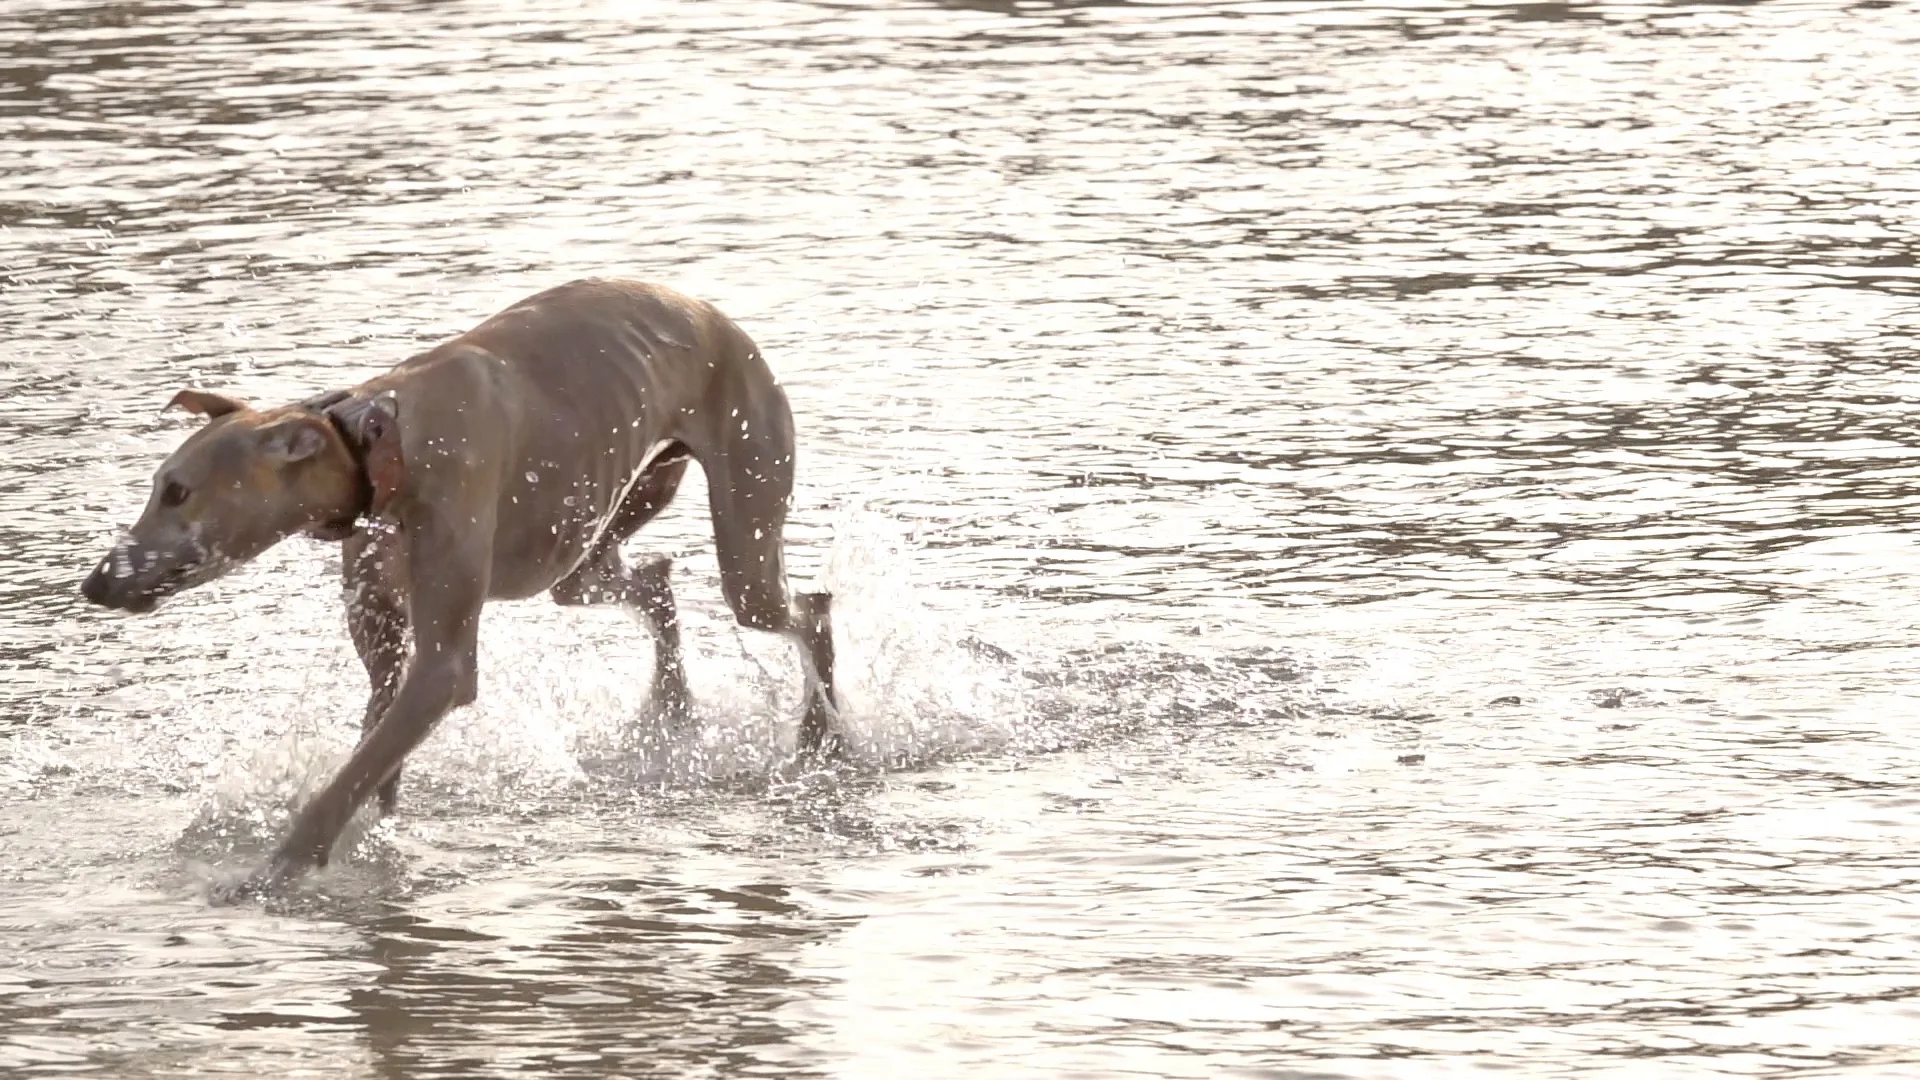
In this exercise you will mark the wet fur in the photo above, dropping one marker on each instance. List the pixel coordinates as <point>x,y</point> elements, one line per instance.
<point>511,460</point>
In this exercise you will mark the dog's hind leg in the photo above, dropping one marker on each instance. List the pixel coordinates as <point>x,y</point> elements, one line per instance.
<point>604,578</point>
<point>749,484</point>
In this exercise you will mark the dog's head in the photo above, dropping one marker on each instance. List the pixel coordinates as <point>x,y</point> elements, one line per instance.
<point>235,488</point>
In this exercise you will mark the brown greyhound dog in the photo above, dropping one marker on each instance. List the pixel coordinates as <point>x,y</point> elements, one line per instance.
<point>509,461</point>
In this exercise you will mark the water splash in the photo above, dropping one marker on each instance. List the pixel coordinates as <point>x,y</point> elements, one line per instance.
<point>248,809</point>
<point>919,678</point>
<point>564,713</point>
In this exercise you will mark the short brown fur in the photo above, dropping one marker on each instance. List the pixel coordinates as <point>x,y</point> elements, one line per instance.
<point>511,460</point>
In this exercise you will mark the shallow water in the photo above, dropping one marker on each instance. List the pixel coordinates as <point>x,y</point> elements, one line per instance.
<point>1372,541</point>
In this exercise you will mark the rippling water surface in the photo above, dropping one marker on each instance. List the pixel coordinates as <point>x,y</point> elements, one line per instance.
<point>1373,541</point>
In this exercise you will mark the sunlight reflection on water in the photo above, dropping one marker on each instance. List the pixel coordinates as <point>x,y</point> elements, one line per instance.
<point>1371,541</point>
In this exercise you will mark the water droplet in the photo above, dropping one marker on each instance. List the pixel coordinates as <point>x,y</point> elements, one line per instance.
<point>532,477</point>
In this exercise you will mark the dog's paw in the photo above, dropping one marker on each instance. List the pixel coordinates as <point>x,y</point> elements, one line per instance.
<point>822,749</point>
<point>259,884</point>
<point>823,741</point>
<point>240,890</point>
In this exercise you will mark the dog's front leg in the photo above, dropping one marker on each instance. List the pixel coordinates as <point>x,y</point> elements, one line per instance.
<point>448,576</point>
<point>377,622</point>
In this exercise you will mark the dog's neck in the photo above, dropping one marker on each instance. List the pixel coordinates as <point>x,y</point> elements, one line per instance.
<point>339,528</point>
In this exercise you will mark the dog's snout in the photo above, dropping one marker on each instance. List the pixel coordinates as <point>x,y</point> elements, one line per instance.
<point>99,584</point>
<point>117,581</point>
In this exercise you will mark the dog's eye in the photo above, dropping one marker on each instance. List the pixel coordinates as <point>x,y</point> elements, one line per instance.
<point>173,494</point>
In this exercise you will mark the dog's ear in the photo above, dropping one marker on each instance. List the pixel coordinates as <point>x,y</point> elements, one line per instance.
<point>205,403</point>
<point>296,439</point>
<point>372,425</point>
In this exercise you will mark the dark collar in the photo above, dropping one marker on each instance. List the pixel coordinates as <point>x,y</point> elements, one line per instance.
<point>329,405</point>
